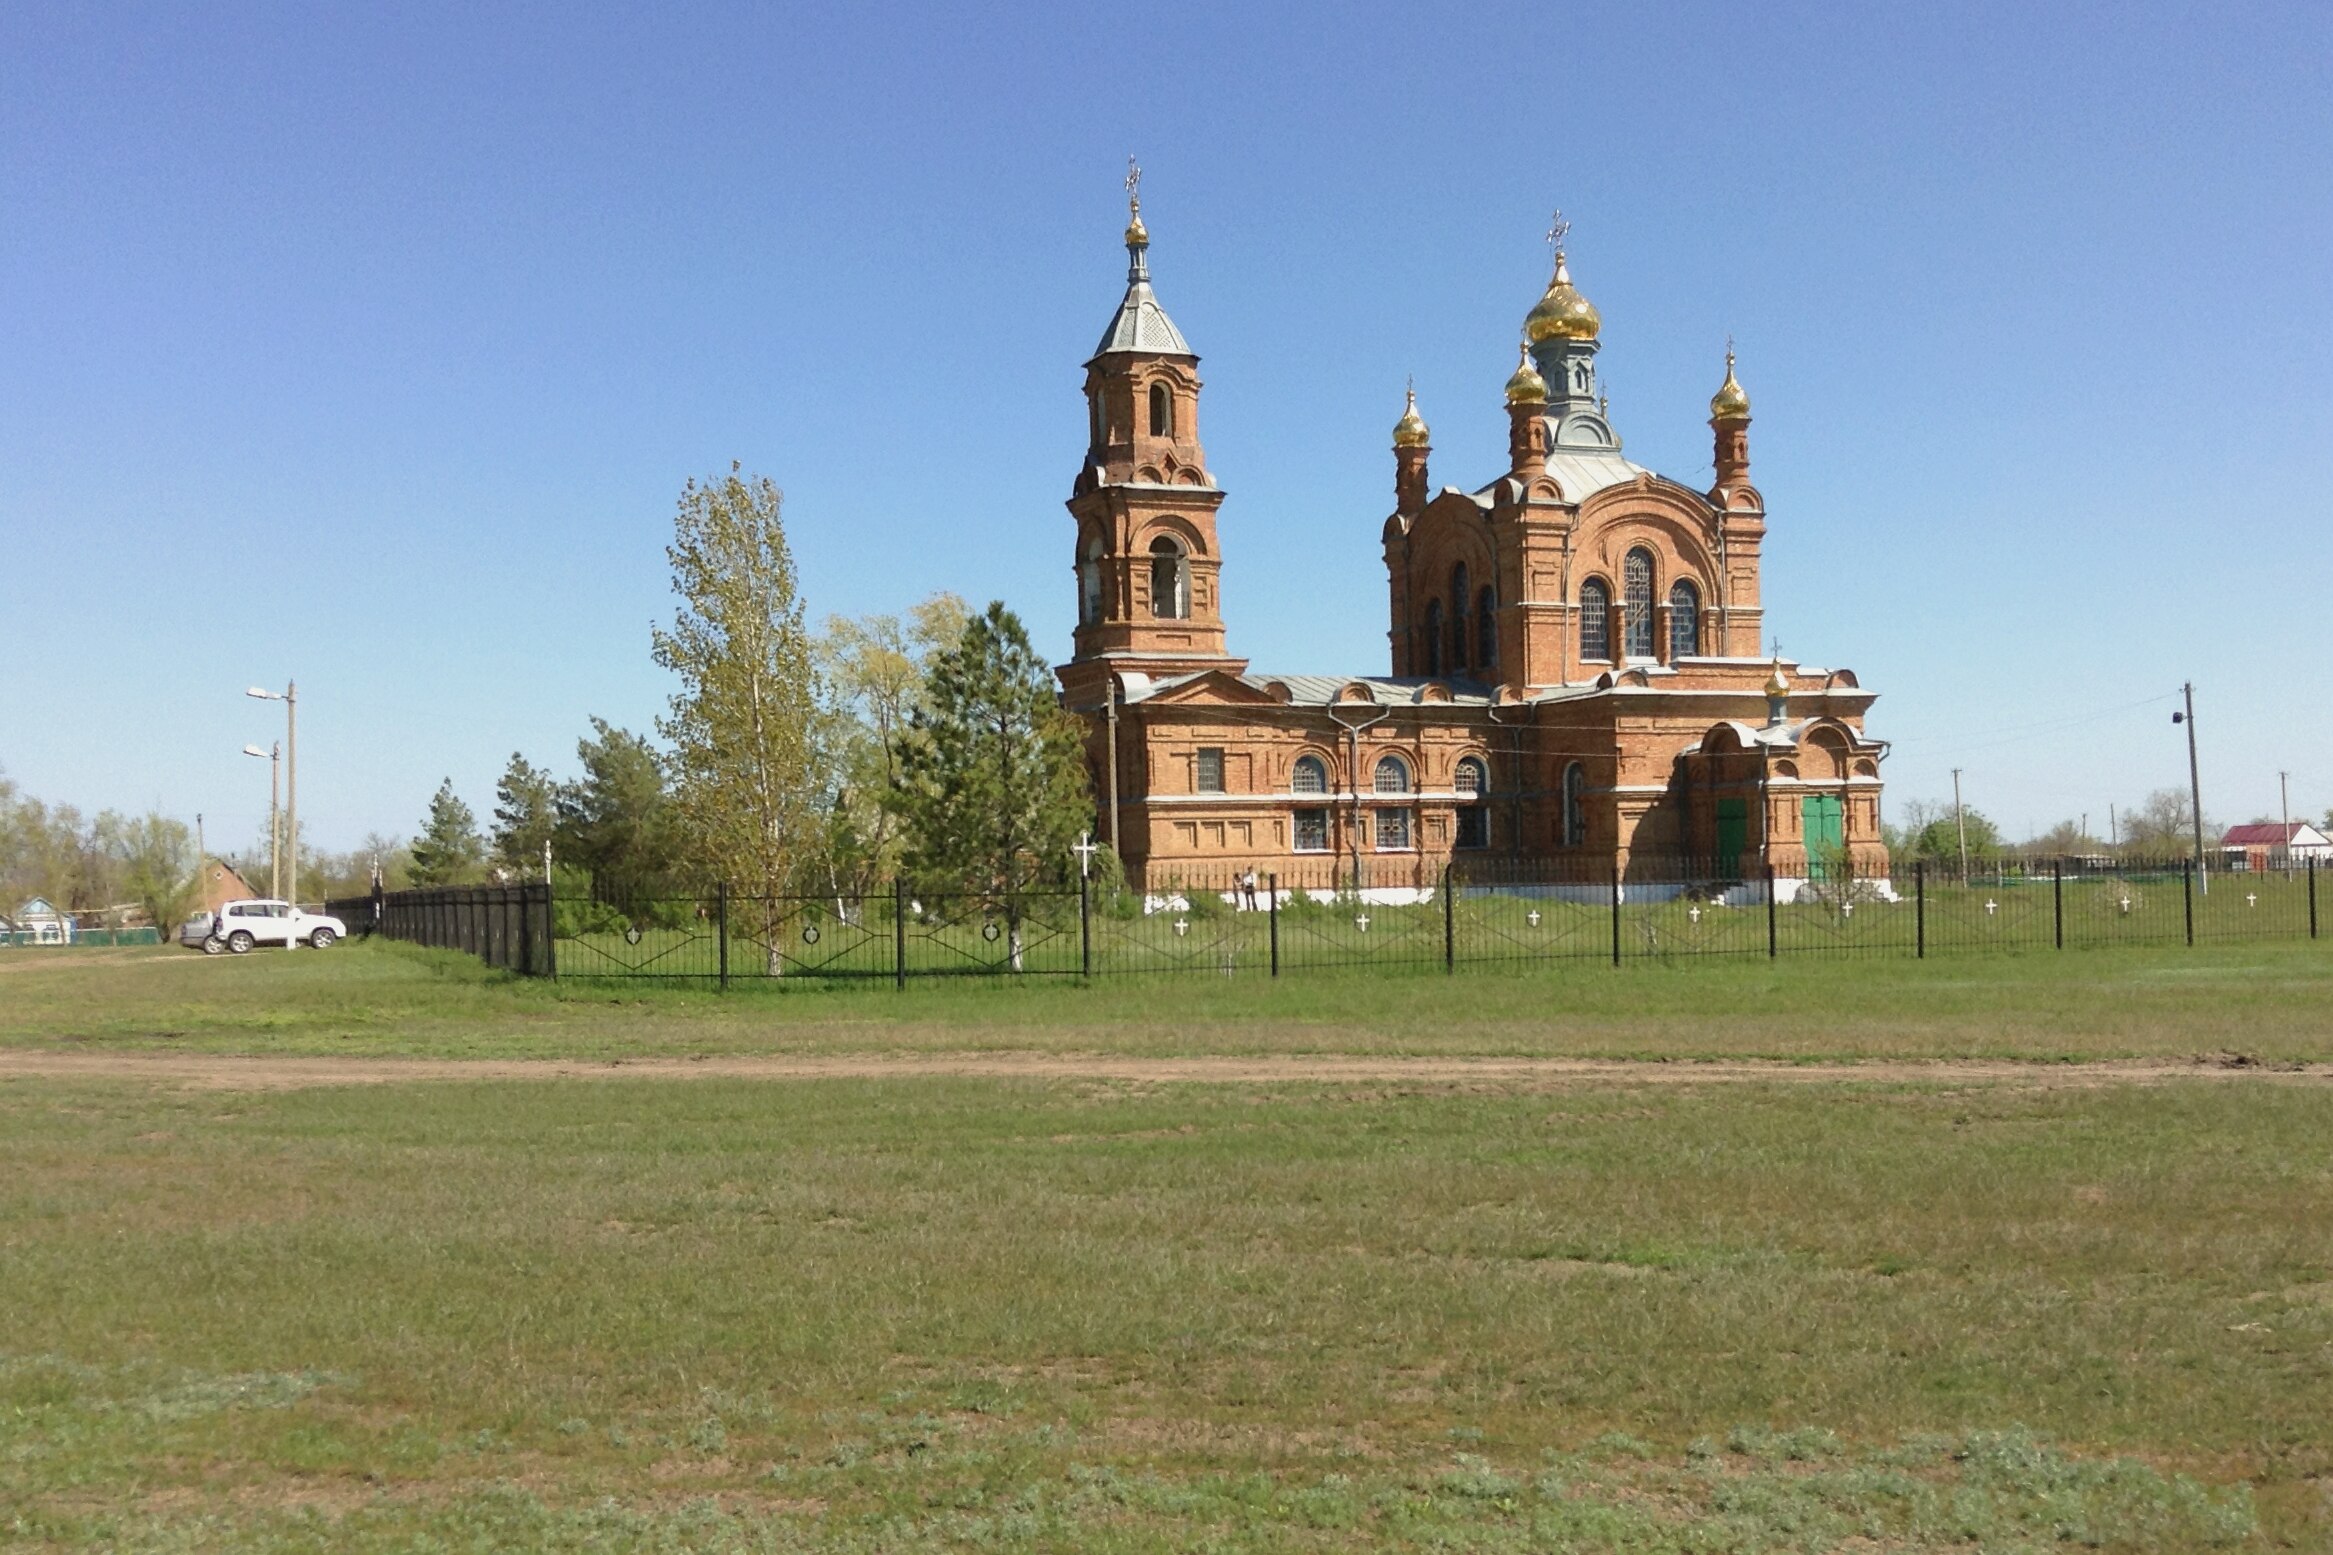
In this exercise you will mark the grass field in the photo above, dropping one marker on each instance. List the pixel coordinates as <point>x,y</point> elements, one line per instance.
<point>1935,1308</point>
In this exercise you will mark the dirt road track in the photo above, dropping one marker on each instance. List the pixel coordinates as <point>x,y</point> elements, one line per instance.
<point>235,1072</point>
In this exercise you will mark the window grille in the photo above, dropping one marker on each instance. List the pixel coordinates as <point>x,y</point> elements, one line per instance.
<point>1392,777</point>
<point>1211,769</point>
<point>1575,805</point>
<point>1473,777</point>
<point>1312,831</point>
<point>1595,620</point>
<point>1393,831</point>
<point>1684,622</point>
<point>1310,777</point>
<point>1637,593</point>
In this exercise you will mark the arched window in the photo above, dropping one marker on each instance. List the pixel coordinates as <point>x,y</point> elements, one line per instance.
<point>1474,817</point>
<point>1486,630</point>
<point>1684,621</point>
<point>1433,637</point>
<point>1575,805</point>
<point>1458,642</point>
<point>1637,594</point>
<point>1094,417</point>
<point>1089,583</point>
<point>1392,776</point>
<point>1310,777</point>
<point>1595,620</point>
<point>1170,580</point>
<point>1162,411</point>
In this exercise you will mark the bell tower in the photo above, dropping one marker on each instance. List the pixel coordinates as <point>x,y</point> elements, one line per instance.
<point>1148,567</point>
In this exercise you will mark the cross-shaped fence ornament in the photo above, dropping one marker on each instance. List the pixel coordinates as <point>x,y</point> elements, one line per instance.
<point>1532,917</point>
<point>1991,908</point>
<point>1182,927</point>
<point>1085,850</point>
<point>1362,923</point>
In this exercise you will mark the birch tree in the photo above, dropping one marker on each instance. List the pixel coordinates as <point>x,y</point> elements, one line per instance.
<point>743,726</point>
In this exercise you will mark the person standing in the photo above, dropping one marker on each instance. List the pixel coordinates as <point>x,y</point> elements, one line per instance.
<point>1247,888</point>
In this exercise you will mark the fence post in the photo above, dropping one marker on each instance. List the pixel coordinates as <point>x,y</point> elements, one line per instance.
<point>898,932</point>
<point>1449,926</point>
<point>1085,926</point>
<point>1920,907</point>
<point>2057,898</point>
<point>526,933</point>
<point>1273,883</point>
<point>2187,896</point>
<point>550,928</point>
<point>1616,912</point>
<point>2312,897</point>
<point>1773,926</point>
<point>721,928</point>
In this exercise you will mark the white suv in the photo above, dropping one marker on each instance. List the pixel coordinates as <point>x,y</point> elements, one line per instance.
<point>241,925</point>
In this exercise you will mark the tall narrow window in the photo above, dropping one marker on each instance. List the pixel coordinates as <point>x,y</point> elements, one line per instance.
<point>1595,620</point>
<point>1170,580</point>
<point>1434,637</point>
<point>1473,777</point>
<point>1210,769</point>
<point>1684,622</point>
<point>1575,805</point>
<point>1458,643</point>
<point>1392,776</point>
<point>1474,816</point>
<point>1089,583</point>
<point>1486,631</point>
<point>1162,411</point>
<point>1310,777</point>
<point>1637,592</point>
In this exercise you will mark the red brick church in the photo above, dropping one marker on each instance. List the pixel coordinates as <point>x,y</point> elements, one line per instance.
<point>1576,675</point>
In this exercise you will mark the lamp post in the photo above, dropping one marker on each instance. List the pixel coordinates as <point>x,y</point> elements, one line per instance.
<point>2194,787</point>
<point>290,698</point>
<point>275,866</point>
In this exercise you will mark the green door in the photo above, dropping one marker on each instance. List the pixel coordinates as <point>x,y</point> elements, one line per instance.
<point>1733,832</point>
<point>1824,819</point>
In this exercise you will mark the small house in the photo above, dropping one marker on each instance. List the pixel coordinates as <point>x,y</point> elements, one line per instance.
<point>2275,845</point>
<point>37,922</point>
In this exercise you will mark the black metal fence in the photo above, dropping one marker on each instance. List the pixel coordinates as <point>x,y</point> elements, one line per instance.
<point>1347,914</point>
<point>511,927</point>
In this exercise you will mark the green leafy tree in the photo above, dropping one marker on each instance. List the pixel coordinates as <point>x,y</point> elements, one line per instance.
<point>1940,838</point>
<point>745,726</point>
<point>2163,826</point>
<point>526,813</point>
<point>616,821</point>
<point>875,668</point>
<point>449,849</point>
<point>992,783</point>
<point>158,868</point>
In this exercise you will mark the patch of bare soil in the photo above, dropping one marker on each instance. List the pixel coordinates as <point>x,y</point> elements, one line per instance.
<point>245,1072</point>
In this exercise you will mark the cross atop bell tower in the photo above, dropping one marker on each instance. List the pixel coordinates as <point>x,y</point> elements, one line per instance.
<point>1147,563</point>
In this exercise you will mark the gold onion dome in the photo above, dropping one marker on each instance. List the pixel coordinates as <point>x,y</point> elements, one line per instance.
<point>1731,402</point>
<point>1563,314</point>
<point>1526,387</point>
<point>1410,431</point>
<point>1777,683</point>
<point>1137,235</point>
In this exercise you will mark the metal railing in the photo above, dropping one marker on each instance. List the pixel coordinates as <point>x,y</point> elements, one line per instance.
<point>1469,913</point>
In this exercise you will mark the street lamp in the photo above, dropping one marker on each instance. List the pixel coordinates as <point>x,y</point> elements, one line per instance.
<point>275,869</point>
<point>290,698</point>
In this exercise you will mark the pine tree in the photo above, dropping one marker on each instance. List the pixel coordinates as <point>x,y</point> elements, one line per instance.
<point>449,849</point>
<point>744,726</point>
<point>993,782</point>
<point>525,814</point>
<point>616,819</point>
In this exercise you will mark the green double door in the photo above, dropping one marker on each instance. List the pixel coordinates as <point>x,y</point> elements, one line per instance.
<point>1823,825</point>
<point>1733,832</point>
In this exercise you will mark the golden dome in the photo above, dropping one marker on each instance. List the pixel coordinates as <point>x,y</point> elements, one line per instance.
<point>1563,314</point>
<point>1526,387</point>
<point>1777,683</point>
<point>1137,235</point>
<point>1410,431</point>
<point>1731,402</point>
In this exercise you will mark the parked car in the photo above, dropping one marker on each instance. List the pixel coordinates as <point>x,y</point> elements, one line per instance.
<point>195,930</point>
<point>242,925</point>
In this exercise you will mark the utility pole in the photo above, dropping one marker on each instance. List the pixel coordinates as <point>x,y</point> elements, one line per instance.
<point>2113,829</point>
<point>2283,811</point>
<point>289,887</point>
<point>1960,820</point>
<point>2194,787</point>
<point>1110,690</point>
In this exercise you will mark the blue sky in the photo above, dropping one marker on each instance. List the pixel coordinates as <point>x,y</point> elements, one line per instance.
<point>373,349</point>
